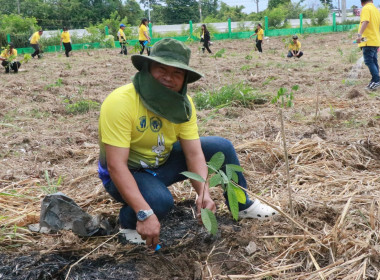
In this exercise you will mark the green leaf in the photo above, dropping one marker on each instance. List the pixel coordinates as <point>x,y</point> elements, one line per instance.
<point>235,167</point>
<point>215,180</point>
<point>295,87</point>
<point>240,195</point>
<point>235,177</point>
<point>194,176</point>
<point>209,220</point>
<point>233,201</point>
<point>224,177</point>
<point>216,161</point>
<point>230,170</point>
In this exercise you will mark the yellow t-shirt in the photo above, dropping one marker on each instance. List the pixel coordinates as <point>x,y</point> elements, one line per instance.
<point>125,122</point>
<point>121,35</point>
<point>6,54</point>
<point>65,36</point>
<point>371,14</point>
<point>295,47</point>
<point>35,38</point>
<point>260,34</point>
<point>143,29</point>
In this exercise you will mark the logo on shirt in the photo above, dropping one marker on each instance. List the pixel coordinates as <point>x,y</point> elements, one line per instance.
<point>142,125</point>
<point>155,124</point>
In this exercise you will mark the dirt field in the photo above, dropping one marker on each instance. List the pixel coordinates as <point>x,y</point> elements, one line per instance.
<point>333,139</point>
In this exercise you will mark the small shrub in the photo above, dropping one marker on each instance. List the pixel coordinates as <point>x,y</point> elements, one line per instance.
<point>235,94</point>
<point>320,17</point>
<point>276,17</point>
<point>80,107</point>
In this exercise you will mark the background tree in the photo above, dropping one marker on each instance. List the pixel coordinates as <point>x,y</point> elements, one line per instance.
<point>181,11</point>
<point>234,13</point>
<point>275,3</point>
<point>209,8</point>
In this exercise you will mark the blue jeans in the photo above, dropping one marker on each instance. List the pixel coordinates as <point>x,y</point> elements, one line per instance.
<point>153,183</point>
<point>370,59</point>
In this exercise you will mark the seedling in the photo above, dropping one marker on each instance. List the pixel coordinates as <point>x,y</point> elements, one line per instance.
<point>286,100</point>
<point>52,186</point>
<point>228,180</point>
<point>285,97</point>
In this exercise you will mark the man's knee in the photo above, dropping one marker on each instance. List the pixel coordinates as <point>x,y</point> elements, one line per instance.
<point>163,207</point>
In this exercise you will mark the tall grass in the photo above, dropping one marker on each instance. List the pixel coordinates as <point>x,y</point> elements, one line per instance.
<point>238,94</point>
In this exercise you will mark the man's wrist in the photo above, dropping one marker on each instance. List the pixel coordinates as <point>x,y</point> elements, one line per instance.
<point>359,35</point>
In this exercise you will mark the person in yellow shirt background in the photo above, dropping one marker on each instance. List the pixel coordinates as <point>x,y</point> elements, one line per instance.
<point>65,39</point>
<point>122,39</point>
<point>34,43</point>
<point>144,37</point>
<point>8,54</point>
<point>369,29</point>
<point>260,36</point>
<point>295,48</point>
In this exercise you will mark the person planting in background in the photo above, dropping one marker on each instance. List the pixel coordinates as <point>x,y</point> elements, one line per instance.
<point>122,39</point>
<point>144,37</point>
<point>65,39</point>
<point>148,135</point>
<point>369,29</point>
<point>8,57</point>
<point>34,43</point>
<point>295,48</point>
<point>259,32</point>
<point>205,38</point>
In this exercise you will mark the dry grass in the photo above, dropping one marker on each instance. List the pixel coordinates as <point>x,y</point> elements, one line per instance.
<point>334,158</point>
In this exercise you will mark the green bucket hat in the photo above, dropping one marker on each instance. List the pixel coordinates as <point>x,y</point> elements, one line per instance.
<point>170,52</point>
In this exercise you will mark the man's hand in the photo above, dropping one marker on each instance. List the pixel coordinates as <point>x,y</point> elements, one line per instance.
<point>359,38</point>
<point>204,202</point>
<point>149,230</point>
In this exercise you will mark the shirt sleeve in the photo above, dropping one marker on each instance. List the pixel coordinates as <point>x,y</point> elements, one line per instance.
<point>365,15</point>
<point>115,121</point>
<point>189,129</point>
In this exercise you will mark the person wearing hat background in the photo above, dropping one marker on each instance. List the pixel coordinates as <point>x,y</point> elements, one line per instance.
<point>65,39</point>
<point>8,57</point>
<point>144,37</point>
<point>148,135</point>
<point>295,48</point>
<point>122,39</point>
<point>34,43</point>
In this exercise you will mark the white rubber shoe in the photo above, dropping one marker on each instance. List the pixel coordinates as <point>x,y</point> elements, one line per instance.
<point>130,236</point>
<point>258,210</point>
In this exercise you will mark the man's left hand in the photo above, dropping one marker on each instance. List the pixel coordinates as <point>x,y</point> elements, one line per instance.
<point>204,202</point>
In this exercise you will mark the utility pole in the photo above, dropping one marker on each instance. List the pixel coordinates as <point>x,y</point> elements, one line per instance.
<point>148,4</point>
<point>343,10</point>
<point>200,11</point>
<point>257,5</point>
<point>18,6</point>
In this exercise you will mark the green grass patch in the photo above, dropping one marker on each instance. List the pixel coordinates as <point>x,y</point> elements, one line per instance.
<point>81,106</point>
<point>229,95</point>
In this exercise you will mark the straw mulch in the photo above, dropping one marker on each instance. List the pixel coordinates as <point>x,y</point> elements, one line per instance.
<point>336,197</point>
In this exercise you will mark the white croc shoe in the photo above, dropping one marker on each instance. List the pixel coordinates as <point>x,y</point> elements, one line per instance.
<point>258,210</point>
<point>130,236</point>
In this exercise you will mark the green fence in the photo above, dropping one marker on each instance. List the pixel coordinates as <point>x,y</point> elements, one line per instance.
<point>218,36</point>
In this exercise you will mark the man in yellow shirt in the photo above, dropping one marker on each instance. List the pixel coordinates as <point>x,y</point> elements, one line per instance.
<point>122,39</point>
<point>148,135</point>
<point>34,43</point>
<point>65,39</point>
<point>295,48</point>
<point>8,57</point>
<point>369,30</point>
